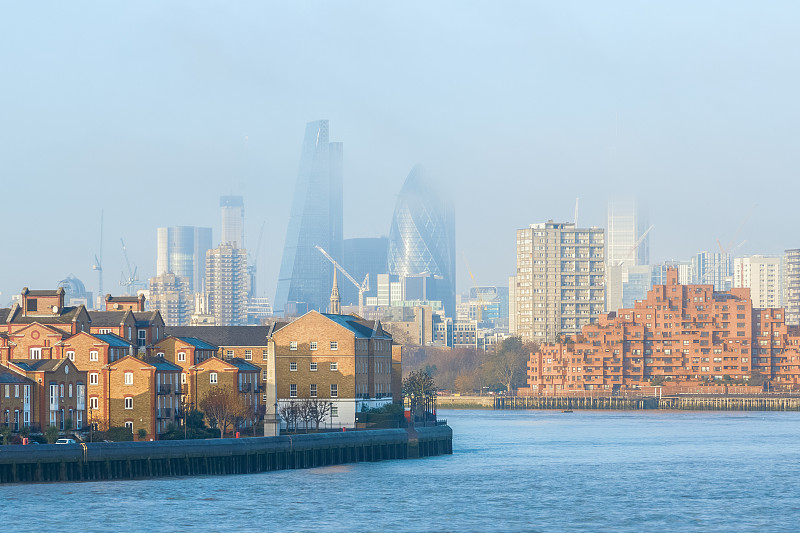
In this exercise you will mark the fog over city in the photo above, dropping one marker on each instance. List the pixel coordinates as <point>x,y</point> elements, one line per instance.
<point>150,111</point>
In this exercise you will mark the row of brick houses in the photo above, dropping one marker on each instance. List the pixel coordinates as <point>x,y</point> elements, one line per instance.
<point>123,367</point>
<point>680,334</point>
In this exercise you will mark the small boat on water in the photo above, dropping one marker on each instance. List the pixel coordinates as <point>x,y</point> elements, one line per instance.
<point>567,411</point>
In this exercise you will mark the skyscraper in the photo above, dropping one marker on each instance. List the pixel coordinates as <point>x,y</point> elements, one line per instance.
<point>182,251</point>
<point>316,219</point>
<point>363,256</point>
<point>170,294</point>
<point>422,238</point>
<point>762,275</point>
<point>232,220</point>
<point>627,250</point>
<point>791,286</point>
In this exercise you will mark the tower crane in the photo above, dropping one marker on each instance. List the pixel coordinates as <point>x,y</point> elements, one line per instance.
<point>252,262</point>
<point>130,281</point>
<point>362,288</point>
<point>98,263</point>
<point>638,243</point>
<point>477,292</point>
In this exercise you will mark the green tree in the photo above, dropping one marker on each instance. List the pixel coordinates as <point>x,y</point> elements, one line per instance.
<point>5,432</point>
<point>420,389</point>
<point>51,434</point>
<point>142,433</point>
<point>509,365</point>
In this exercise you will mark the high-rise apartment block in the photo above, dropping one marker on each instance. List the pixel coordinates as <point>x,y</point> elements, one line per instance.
<point>232,220</point>
<point>226,285</point>
<point>559,281</point>
<point>182,251</point>
<point>791,286</point>
<point>762,275</point>
<point>713,268</point>
<point>627,254</point>
<point>316,220</point>
<point>171,295</point>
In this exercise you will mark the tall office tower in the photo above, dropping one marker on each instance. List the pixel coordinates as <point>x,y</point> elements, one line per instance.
<point>628,246</point>
<point>361,257</point>
<point>316,220</point>
<point>171,295</point>
<point>232,220</point>
<point>659,272</point>
<point>791,286</point>
<point>422,238</point>
<point>559,282</point>
<point>512,305</point>
<point>762,275</point>
<point>182,251</point>
<point>226,285</point>
<point>712,269</point>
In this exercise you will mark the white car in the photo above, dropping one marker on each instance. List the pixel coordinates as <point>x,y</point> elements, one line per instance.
<point>66,441</point>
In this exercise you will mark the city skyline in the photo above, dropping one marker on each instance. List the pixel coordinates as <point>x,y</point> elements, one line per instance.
<point>197,110</point>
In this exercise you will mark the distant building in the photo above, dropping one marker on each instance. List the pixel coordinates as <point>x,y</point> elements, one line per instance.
<point>227,285</point>
<point>75,292</point>
<point>559,281</point>
<point>791,286</point>
<point>627,247</point>
<point>232,220</point>
<point>172,295</point>
<point>363,256</point>
<point>316,220</point>
<point>422,239</point>
<point>762,275</point>
<point>182,251</point>
<point>711,268</point>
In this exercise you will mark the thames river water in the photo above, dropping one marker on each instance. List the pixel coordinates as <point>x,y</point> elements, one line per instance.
<point>510,471</point>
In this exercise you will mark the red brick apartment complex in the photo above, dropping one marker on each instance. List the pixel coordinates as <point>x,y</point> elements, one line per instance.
<point>680,333</point>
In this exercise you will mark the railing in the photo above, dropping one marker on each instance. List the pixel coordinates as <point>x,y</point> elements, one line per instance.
<point>164,389</point>
<point>178,413</point>
<point>245,387</point>
<point>165,412</point>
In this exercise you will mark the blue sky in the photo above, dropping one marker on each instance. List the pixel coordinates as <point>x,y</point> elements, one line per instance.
<point>142,109</point>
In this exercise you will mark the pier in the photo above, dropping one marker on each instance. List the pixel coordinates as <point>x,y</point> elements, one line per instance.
<point>132,460</point>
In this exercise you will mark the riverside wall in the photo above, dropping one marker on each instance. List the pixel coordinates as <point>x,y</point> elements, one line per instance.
<point>689,403</point>
<point>132,460</point>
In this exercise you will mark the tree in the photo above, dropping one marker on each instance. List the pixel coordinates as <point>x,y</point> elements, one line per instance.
<point>223,406</point>
<point>317,410</point>
<point>290,412</point>
<point>5,432</point>
<point>142,433</point>
<point>420,389</point>
<point>51,434</point>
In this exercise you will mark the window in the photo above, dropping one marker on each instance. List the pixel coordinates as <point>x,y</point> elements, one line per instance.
<point>183,378</point>
<point>8,391</point>
<point>264,375</point>
<point>264,354</point>
<point>181,356</point>
<point>212,377</point>
<point>128,378</point>
<point>160,354</point>
<point>313,345</point>
<point>128,402</point>
<point>312,367</point>
<point>293,366</point>
<point>334,390</point>
<point>293,345</point>
<point>129,426</point>
<point>93,378</point>
<point>313,390</point>
<point>334,367</point>
<point>71,356</point>
<point>293,390</point>
<point>16,391</point>
<point>70,391</point>
<point>248,355</point>
<point>228,354</point>
<point>104,331</point>
<point>32,304</point>
<point>35,353</point>
<point>334,345</point>
<point>141,338</point>
<point>334,410</point>
<point>93,403</point>
<point>93,356</point>
<point>130,333</point>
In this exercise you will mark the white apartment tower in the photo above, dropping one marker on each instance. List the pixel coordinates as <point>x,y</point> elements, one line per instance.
<point>560,279</point>
<point>762,275</point>
<point>791,286</point>
<point>227,282</point>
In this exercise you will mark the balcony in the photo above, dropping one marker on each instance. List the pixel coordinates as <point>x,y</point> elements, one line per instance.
<point>178,412</point>
<point>245,387</point>
<point>164,389</point>
<point>165,412</point>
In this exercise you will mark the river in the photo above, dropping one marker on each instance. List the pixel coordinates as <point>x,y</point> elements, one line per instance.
<point>510,471</point>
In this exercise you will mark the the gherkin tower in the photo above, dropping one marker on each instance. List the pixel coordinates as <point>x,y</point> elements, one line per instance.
<point>422,238</point>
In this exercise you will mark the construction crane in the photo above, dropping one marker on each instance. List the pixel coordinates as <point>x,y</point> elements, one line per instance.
<point>252,262</point>
<point>362,288</point>
<point>638,243</point>
<point>477,291</point>
<point>98,263</point>
<point>577,200</point>
<point>130,281</point>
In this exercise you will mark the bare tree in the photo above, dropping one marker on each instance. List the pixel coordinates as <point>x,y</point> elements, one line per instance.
<point>290,412</point>
<point>317,411</point>
<point>223,406</point>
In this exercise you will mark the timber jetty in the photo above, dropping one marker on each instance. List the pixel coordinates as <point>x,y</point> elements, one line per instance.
<point>679,402</point>
<point>132,460</point>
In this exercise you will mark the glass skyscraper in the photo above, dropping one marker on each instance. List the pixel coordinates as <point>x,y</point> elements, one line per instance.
<point>232,220</point>
<point>182,251</point>
<point>316,219</point>
<point>422,238</point>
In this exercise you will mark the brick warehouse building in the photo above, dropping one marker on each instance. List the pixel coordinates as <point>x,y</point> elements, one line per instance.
<point>681,333</point>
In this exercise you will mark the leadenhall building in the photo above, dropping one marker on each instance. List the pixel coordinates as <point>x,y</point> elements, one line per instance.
<point>681,333</point>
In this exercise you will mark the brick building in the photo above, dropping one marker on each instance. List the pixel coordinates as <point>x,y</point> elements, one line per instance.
<point>16,399</point>
<point>682,333</point>
<point>233,373</point>
<point>59,394</point>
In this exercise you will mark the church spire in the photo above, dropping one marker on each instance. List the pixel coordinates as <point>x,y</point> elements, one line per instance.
<point>336,303</point>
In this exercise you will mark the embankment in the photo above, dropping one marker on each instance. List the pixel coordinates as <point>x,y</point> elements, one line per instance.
<point>688,402</point>
<point>131,460</point>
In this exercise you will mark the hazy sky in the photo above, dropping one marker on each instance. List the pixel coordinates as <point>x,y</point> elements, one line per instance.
<point>143,108</point>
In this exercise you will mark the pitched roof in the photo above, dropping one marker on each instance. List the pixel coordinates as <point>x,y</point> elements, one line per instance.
<point>197,343</point>
<point>223,335</point>
<point>115,341</point>
<point>241,364</point>
<point>161,364</point>
<point>363,329</point>
<point>42,292</point>
<point>9,376</point>
<point>107,318</point>
<point>144,318</point>
<point>38,365</point>
<point>4,312</point>
<point>67,315</point>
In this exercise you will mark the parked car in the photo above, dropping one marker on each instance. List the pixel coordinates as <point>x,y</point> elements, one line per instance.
<point>66,441</point>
